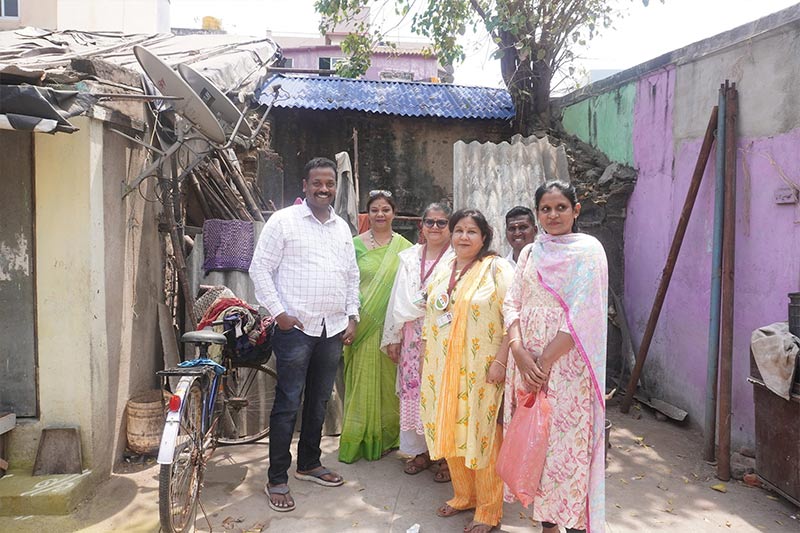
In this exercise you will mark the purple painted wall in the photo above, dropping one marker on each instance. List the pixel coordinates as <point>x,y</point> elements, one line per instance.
<point>767,264</point>
<point>423,67</point>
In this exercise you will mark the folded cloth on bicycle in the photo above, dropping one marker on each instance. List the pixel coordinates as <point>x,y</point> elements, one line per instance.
<point>218,368</point>
<point>251,331</point>
<point>227,245</point>
<point>222,305</point>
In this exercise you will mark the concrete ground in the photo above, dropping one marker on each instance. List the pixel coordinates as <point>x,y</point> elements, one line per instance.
<point>655,482</point>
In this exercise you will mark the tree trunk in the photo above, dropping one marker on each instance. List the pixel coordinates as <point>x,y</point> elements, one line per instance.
<point>541,77</point>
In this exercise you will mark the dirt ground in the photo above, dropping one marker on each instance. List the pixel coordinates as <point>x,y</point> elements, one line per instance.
<point>656,482</point>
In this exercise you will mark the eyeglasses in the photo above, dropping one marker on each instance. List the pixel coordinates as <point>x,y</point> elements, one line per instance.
<point>380,192</point>
<point>440,223</point>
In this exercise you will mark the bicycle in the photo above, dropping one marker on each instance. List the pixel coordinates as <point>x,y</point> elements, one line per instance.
<point>211,405</point>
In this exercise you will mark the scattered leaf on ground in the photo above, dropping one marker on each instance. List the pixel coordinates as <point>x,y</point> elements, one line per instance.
<point>720,487</point>
<point>779,522</point>
<point>618,506</point>
<point>727,523</point>
<point>685,479</point>
<point>771,497</point>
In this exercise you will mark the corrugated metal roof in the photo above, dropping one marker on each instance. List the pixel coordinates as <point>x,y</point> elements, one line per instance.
<point>408,99</point>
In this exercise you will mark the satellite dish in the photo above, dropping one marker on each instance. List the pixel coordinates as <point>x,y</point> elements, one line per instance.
<point>219,104</point>
<point>169,83</point>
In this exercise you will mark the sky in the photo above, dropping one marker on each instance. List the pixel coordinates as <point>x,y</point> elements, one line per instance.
<point>644,33</point>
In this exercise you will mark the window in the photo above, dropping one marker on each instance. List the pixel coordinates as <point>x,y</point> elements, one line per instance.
<point>326,63</point>
<point>9,8</point>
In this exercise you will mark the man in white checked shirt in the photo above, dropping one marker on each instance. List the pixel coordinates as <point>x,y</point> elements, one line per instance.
<point>305,274</point>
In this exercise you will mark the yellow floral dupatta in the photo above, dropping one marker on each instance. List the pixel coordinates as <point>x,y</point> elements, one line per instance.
<point>446,411</point>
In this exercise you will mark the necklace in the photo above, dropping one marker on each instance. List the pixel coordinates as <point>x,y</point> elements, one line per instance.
<point>377,244</point>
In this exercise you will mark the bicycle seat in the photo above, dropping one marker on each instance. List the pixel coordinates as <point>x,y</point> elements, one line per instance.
<point>205,336</point>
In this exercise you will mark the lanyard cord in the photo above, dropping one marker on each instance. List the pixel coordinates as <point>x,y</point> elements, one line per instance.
<point>422,274</point>
<point>454,280</point>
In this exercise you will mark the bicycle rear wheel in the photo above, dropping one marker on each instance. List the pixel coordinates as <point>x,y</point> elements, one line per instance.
<point>179,482</point>
<point>246,398</point>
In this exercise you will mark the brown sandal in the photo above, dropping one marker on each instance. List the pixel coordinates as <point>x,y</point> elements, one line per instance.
<point>443,473</point>
<point>478,527</point>
<point>446,511</point>
<point>417,464</point>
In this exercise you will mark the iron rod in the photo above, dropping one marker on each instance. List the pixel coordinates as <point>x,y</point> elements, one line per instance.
<point>710,426</point>
<point>672,258</point>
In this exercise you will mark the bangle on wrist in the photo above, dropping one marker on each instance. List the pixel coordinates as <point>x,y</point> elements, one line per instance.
<point>499,363</point>
<point>515,339</point>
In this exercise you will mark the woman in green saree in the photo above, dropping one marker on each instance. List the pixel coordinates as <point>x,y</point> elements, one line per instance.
<point>371,425</point>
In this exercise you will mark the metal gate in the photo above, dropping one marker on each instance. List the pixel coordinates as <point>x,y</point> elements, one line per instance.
<point>17,339</point>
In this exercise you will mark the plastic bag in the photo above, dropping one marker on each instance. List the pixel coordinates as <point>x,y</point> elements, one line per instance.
<point>521,458</point>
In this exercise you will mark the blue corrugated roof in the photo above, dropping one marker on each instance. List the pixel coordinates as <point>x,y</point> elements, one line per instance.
<point>409,99</point>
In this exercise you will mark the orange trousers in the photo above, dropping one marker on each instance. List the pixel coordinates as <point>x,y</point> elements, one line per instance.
<point>479,489</point>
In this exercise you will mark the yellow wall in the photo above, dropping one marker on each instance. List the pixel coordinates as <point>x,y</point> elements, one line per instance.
<point>68,256</point>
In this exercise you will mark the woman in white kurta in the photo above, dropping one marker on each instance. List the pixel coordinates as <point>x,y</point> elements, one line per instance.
<point>402,333</point>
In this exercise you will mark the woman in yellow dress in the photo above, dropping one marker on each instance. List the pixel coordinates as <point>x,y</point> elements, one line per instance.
<point>463,369</point>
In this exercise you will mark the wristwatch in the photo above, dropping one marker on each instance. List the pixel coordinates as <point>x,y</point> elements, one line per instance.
<point>354,318</point>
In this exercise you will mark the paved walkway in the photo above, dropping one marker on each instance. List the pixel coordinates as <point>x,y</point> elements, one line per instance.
<point>655,482</point>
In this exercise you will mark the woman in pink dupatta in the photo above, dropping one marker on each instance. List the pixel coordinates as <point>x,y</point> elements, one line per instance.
<point>555,312</point>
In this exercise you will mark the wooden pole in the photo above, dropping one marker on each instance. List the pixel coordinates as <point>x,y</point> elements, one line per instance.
<point>242,186</point>
<point>728,256</point>
<point>219,178</point>
<point>672,258</point>
<point>201,197</point>
<point>355,166</point>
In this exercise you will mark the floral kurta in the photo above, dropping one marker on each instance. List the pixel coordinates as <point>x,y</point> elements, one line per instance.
<point>562,493</point>
<point>478,402</point>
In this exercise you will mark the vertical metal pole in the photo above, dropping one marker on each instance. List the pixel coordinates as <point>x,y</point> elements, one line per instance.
<point>672,258</point>
<point>710,426</point>
<point>728,257</point>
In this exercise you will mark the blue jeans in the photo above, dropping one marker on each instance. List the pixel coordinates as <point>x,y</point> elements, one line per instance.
<point>302,362</point>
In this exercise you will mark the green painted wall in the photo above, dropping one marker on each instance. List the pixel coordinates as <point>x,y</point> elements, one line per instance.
<point>605,122</point>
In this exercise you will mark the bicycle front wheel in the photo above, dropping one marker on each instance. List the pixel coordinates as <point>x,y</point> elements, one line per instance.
<point>179,482</point>
<point>246,398</point>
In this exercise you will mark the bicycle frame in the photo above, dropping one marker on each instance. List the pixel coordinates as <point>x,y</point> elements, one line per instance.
<point>166,449</point>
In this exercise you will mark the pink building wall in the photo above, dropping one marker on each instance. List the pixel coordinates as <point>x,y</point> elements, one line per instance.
<point>670,114</point>
<point>423,67</point>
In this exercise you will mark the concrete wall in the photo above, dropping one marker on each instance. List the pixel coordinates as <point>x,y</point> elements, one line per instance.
<point>605,122</point>
<point>98,278</point>
<point>413,157</point>
<point>40,13</point>
<point>130,16</point>
<point>423,67</point>
<point>669,113</point>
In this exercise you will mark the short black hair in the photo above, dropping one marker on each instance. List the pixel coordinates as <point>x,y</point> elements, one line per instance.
<point>319,162</point>
<point>438,206</point>
<point>379,195</point>
<point>519,211</point>
<point>567,189</point>
<point>483,225</point>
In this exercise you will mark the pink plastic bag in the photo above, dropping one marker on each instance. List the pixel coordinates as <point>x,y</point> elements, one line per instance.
<point>521,458</point>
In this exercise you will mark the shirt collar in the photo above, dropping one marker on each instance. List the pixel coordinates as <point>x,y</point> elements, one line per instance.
<point>308,213</point>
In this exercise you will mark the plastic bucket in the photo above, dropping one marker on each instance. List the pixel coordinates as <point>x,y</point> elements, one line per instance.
<point>145,421</point>
<point>794,313</point>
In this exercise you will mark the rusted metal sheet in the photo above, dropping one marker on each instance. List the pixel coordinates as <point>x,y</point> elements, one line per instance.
<point>17,343</point>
